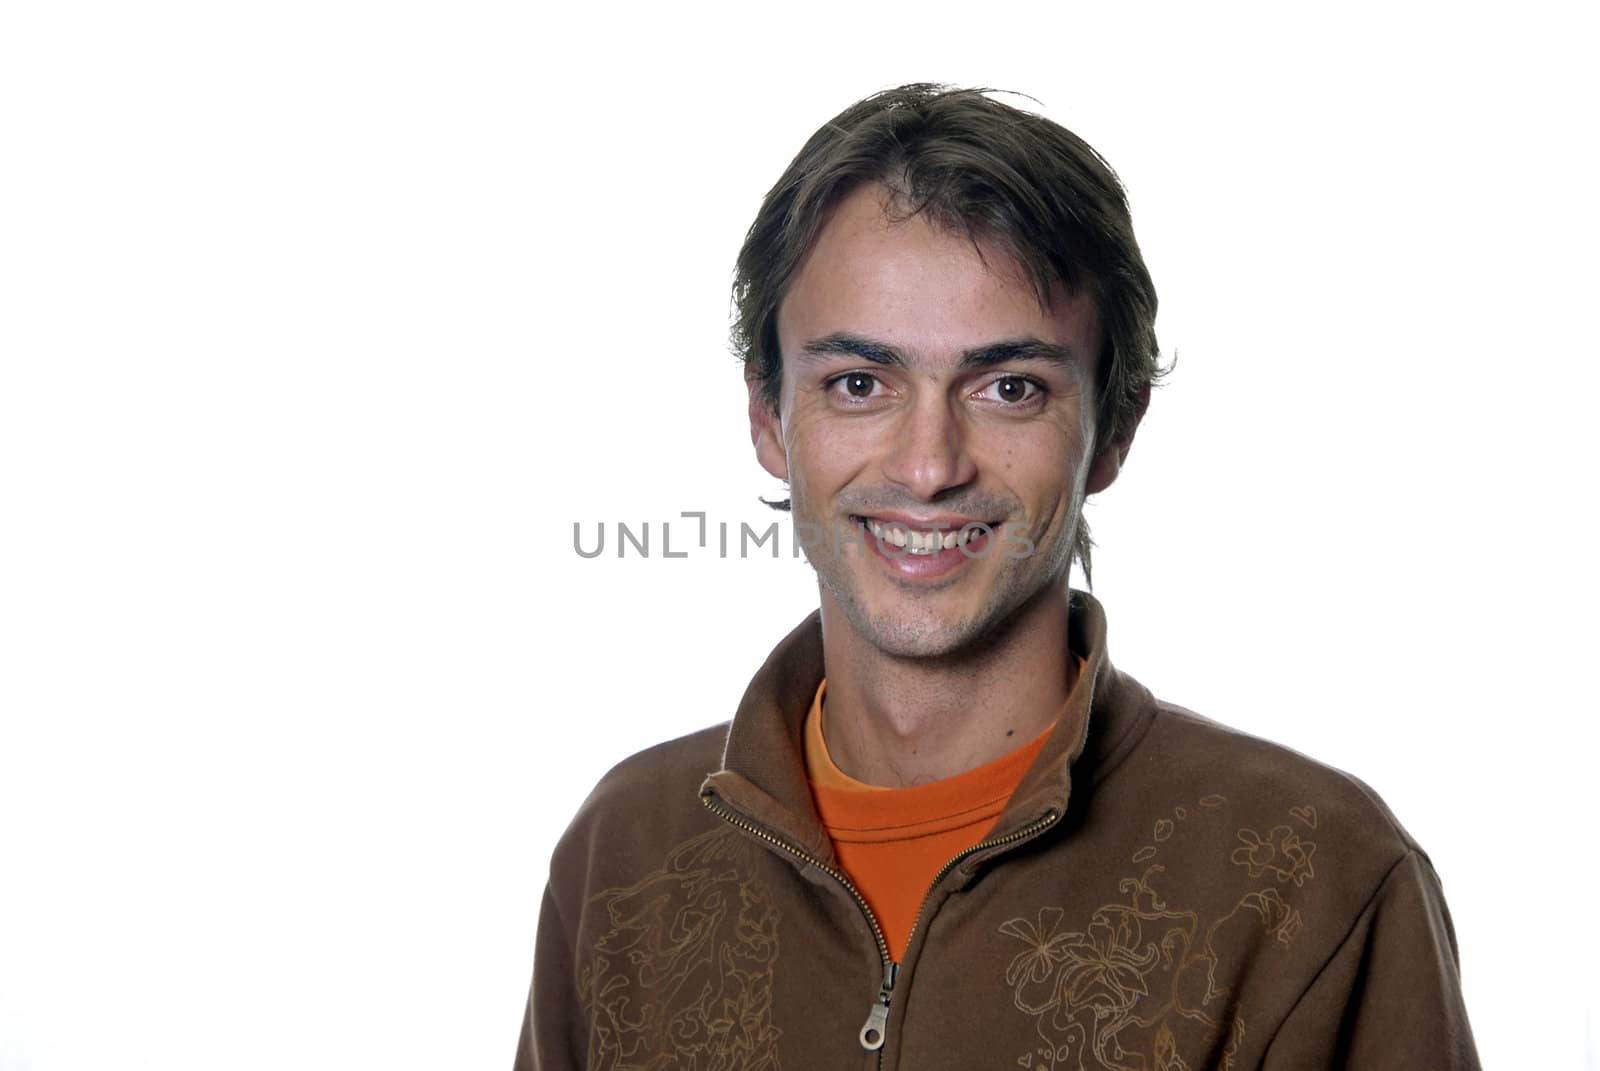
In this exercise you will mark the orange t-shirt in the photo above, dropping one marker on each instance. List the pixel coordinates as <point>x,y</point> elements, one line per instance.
<point>892,841</point>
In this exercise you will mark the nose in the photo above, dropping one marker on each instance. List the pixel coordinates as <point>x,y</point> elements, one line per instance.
<point>930,453</point>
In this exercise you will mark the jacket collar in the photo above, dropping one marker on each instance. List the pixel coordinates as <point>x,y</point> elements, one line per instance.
<point>763,765</point>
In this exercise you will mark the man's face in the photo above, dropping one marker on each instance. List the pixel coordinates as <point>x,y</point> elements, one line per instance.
<point>924,389</point>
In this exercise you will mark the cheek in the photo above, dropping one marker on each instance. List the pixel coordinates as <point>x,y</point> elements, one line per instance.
<point>1043,470</point>
<point>1037,461</point>
<point>823,458</point>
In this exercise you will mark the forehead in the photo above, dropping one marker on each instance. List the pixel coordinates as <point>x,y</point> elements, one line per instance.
<point>919,285</point>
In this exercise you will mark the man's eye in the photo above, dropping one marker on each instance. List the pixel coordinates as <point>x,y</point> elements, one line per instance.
<point>1010,390</point>
<point>857,386</point>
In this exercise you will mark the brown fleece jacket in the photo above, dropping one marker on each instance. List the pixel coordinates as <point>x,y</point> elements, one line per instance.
<point>1161,892</point>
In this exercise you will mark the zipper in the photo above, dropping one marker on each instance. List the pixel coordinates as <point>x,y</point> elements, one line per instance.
<point>875,1030</point>
<point>1038,825</point>
<point>876,1027</point>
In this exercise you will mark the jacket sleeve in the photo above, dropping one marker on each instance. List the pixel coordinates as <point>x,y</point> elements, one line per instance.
<point>1390,996</point>
<point>552,1029</point>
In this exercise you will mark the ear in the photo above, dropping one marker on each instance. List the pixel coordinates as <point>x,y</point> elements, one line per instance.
<point>766,433</point>
<point>1108,463</point>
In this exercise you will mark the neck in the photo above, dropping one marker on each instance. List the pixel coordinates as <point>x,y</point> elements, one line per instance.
<point>899,721</point>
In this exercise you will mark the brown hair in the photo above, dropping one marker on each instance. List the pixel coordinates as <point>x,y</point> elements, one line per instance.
<point>980,168</point>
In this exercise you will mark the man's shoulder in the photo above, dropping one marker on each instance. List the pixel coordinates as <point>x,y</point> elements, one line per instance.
<point>660,772</point>
<point>1269,793</point>
<point>646,802</point>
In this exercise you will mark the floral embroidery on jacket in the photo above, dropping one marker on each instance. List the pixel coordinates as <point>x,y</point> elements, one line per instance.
<point>683,976</point>
<point>1281,851</point>
<point>1127,991</point>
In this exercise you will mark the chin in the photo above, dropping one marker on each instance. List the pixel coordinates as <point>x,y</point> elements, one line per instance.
<point>902,638</point>
<point>922,631</point>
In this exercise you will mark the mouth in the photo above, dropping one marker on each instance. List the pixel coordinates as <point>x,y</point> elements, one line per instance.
<point>927,541</point>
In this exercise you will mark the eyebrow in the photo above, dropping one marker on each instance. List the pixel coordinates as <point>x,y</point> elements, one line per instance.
<point>1012,349</point>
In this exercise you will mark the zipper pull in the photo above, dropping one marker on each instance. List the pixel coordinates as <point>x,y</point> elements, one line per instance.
<point>875,1030</point>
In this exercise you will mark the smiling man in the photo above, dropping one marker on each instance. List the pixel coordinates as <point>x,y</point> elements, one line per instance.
<point>942,830</point>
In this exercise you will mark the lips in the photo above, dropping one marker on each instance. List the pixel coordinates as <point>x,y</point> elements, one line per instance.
<point>926,537</point>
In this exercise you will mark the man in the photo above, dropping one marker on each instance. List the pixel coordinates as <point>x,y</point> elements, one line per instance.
<point>942,831</point>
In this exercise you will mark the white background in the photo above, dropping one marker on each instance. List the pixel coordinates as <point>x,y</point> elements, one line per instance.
<point>322,323</point>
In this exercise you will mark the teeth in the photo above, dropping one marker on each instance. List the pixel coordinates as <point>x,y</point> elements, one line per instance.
<point>921,542</point>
